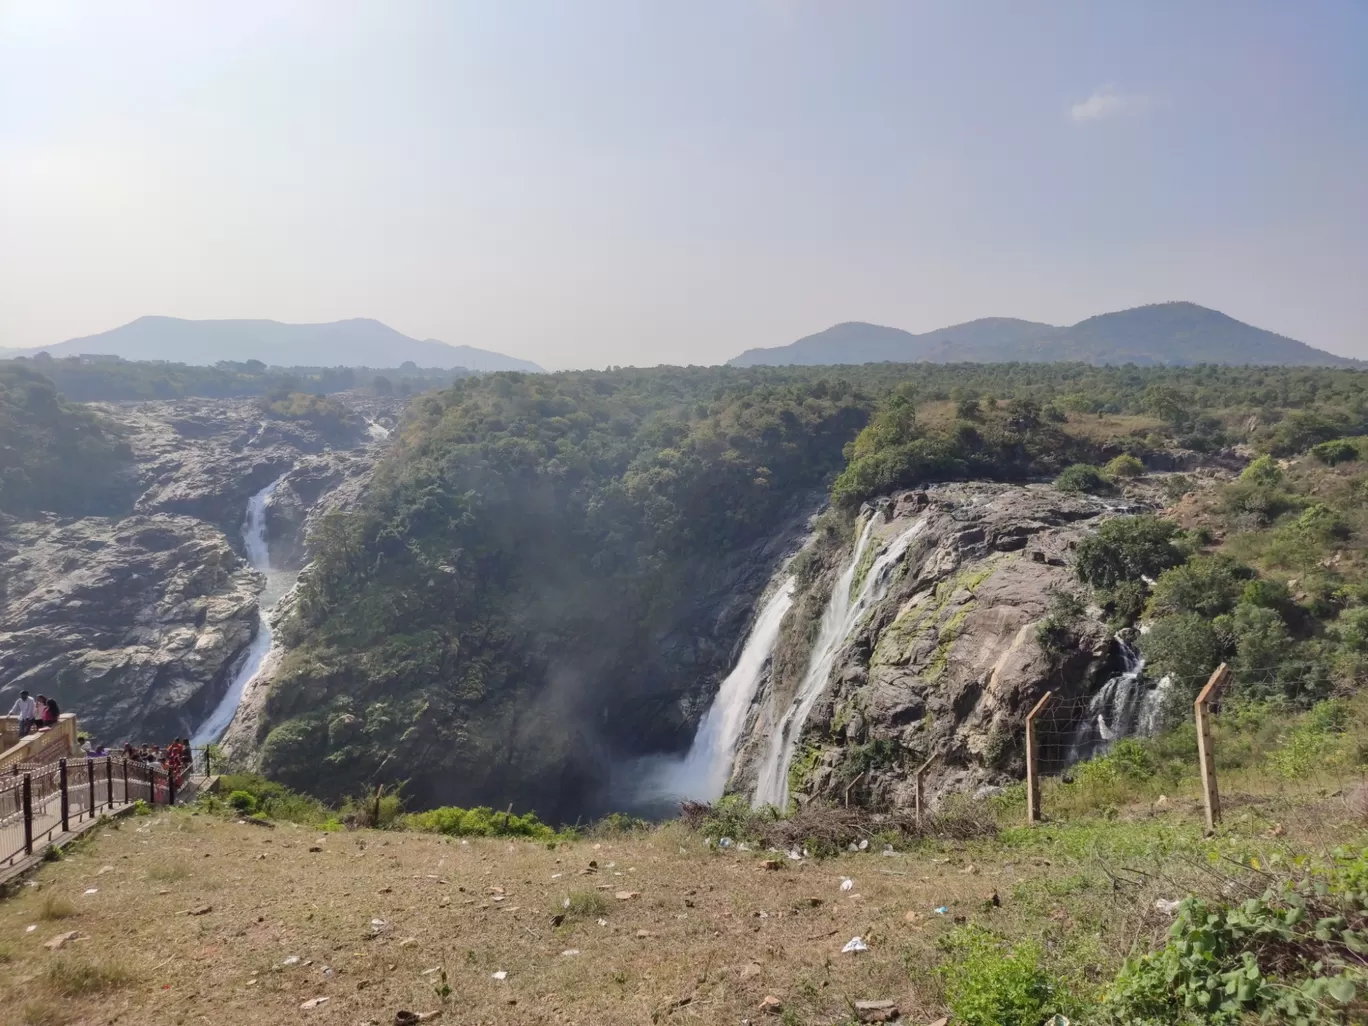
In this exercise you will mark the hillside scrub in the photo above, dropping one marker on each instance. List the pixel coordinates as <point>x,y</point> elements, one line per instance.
<point>532,542</point>
<point>57,456</point>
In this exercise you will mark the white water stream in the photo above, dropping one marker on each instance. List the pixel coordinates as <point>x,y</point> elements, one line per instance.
<point>843,612</point>
<point>277,583</point>
<point>1123,706</point>
<point>702,774</point>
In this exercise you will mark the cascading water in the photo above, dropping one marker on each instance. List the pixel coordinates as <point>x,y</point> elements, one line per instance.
<point>377,431</point>
<point>703,773</point>
<point>843,612</point>
<point>277,583</point>
<point>1121,707</point>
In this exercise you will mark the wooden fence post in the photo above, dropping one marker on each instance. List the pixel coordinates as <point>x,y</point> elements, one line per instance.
<point>1032,761</point>
<point>1202,709</point>
<point>920,778</point>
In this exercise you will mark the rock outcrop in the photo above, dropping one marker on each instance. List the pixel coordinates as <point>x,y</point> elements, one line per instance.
<point>132,623</point>
<point>136,624</point>
<point>967,637</point>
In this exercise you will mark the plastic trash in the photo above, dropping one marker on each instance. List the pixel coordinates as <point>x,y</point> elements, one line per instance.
<point>852,846</point>
<point>93,890</point>
<point>502,974</point>
<point>314,1003</point>
<point>854,946</point>
<point>570,952</point>
<point>292,960</point>
<point>942,910</point>
<point>603,922</point>
<point>847,884</point>
<point>1057,1020</point>
<point>724,842</point>
<point>795,854</point>
<point>1165,906</point>
<point>864,845</point>
<point>30,929</point>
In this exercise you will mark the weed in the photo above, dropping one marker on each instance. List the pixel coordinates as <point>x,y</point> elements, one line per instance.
<point>41,1013</point>
<point>584,905</point>
<point>168,872</point>
<point>991,983</point>
<point>55,907</point>
<point>72,978</point>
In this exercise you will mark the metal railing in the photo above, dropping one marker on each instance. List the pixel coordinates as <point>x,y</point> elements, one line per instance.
<point>39,802</point>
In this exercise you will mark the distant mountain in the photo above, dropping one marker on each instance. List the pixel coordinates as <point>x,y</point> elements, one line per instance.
<point>356,343</point>
<point>1164,333</point>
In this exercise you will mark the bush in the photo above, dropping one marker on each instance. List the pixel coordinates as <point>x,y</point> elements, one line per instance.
<point>1123,466</point>
<point>1338,451</point>
<point>1209,585</point>
<point>481,821</point>
<point>249,794</point>
<point>990,983</point>
<point>244,801</point>
<point>1293,955</point>
<point>1264,471</point>
<point>1080,477</point>
<point>1185,646</point>
<point>1126,548</point>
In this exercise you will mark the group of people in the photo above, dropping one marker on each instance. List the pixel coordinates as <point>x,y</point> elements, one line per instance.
<point>34,713</point>
<point>174,758</point>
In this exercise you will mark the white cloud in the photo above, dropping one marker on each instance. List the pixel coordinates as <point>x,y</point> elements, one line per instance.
<point>1106,102</point>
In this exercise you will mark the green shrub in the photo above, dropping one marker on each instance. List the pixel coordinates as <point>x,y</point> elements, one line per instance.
<point>1294,955</point>
<point>990,983</point>
<point>1125,548</point>
<point>249,794</point>
<point>1186,646</point>
<point>1263,471</point>
<point>481,821</point>
<point>1080,477</point>
<point>243,801</point>
<point>1208,585</point>
<point>1339,450</point>
<point>1124,466</point>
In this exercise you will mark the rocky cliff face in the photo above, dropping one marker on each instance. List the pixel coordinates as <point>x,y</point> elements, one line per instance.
<point>967,636</point>
<point>136,624</point>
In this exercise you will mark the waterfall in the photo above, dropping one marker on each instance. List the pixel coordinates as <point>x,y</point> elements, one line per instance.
<point>277,583</point>
<point>1122,706</point>
<point>703,773</point>
<point>843,612</point>
<point>377,431</point>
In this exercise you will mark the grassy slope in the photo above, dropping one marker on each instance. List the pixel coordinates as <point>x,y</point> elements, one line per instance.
<point>720,929</point>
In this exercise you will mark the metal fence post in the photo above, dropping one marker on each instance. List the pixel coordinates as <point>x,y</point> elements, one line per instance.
<point>90,782</point>
<point>1202,709</point>
<point>1032,761</point>
<point>28,814</point>
<point>170,786</point>
<point>66,798</point>
<point>109,781</point>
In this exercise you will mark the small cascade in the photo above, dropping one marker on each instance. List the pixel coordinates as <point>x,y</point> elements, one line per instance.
<point>377,431</point>
<point>1123,706</point>
<point>843,612</point>
<point>277,583</point>
<point>703,773</point>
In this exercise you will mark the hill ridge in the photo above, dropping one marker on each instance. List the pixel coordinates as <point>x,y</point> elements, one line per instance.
<point>1178,333</point>
<point>352,342</point>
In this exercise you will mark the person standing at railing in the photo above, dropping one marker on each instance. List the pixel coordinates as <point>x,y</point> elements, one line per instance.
<point>49,713</point>
<point>25,708</point>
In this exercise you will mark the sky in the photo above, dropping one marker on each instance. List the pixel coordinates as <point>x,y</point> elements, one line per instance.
<point>625,182</point>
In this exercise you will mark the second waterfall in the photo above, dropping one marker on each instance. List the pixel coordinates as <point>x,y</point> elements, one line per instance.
<point>847,606</point>
<point>277,583</point>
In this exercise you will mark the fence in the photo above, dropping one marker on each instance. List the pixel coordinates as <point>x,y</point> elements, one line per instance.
<point>39,802</point>
<point>1064,730</point>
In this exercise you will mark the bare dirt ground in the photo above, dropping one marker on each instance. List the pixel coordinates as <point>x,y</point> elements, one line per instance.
<point>184,918</point>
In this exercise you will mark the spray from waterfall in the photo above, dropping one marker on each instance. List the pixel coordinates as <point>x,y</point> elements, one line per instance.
<point>843,612</point>
<point>277,583</point>
<point>703,773</point>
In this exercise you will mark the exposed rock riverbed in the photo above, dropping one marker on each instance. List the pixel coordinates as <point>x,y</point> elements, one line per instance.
<point>136,623</point>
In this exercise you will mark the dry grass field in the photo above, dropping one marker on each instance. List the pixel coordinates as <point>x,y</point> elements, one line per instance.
<point>184,918</point>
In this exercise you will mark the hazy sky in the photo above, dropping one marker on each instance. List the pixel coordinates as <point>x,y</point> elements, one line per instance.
<point>586,182</point>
